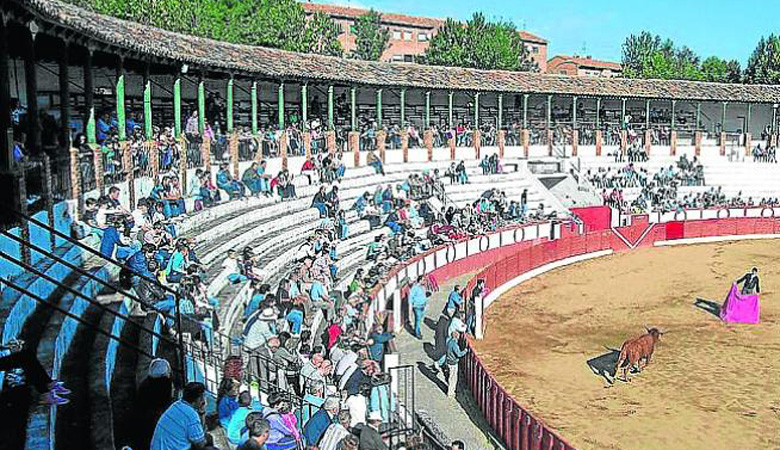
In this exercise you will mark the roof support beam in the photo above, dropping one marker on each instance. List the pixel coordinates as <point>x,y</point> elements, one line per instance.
<point>89,97</point>
<point>476,111</point>
<point>549,110</point>
<point>31,80</point>
<point>229,96</point>
<point>525,111</point>
<point>201,105</point>
<point>331,124</point>
<point>674,110</point>
<point>177,104</point>
<point>304,108</point>
<point>64,82</point>
<point>647,114</point>
<point>500,112</point>
<point>574,113</point>
<point>148,105</point>
<point>379,108</point>
<point>623,124</point>
<point>450,117</point>
<point>723,118</point>
<point>6,156</point>
<point>280,104</point>
<point>427,109</point>
<point>353,108</point>
<point>403,107</point>
<point>598,113</point>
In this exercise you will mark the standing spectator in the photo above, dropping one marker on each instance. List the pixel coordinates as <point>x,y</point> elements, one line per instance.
<point>180,426</point>
<point>377,340</point>
<point>227,400</point>
<point>419,301</point>
<point>454,302</point>
<point>370,439</point>
<point>450,367</point>
<point>154,396</point>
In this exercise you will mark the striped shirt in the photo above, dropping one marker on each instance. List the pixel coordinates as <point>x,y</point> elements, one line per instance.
<point>178,428</point>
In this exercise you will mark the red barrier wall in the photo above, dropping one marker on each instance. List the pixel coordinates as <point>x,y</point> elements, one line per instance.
<point>518,428</point>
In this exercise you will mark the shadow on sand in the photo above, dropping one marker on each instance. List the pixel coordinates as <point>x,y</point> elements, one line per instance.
<point>708,306</point>
<point>431,375</point>
<point>605,365</point>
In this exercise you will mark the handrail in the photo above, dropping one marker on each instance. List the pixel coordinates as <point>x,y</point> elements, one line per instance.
<point>77,293</point>
<point>38,299</point>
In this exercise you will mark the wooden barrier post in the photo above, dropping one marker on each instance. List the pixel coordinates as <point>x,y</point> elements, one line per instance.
<point>599,141</point>
<point>451,142</point>
<point>748,143</point>
<point>353,139</point>
<point>648,141</point>
<point>722,144</point>
<point>48,194</point>
<point>282,148</point>
<point>673,143</point>
<point>184,162</point>
<point>550,138</point>
<point>233,151</point>
<point>405,145</point>
<point>623,142</point>
<point>97,154</point>
<point>205,150</point>
<point>428,141</point>
<point>501,142</point>
<point>526,134</point>
<point>575,141</point>
<point>127,165</point>
<point>697,143</point>
<point>381,143</point>
<point>154,159</point>
<point>477,143</point>
<point>75,182</point>
<point>330,142</point>
<point>307,144</point>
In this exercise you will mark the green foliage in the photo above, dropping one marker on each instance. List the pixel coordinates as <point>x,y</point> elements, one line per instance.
<point>270,23</point>
<point>763,67</point>
<point>371,37</point>
<point>648,56</point>
<point>479,44</point>
<point>721,71</point>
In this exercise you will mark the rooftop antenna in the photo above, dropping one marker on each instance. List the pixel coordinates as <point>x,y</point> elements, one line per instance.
<point>584,48</point>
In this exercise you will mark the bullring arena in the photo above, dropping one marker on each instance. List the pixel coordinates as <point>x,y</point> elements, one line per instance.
<point>212,239</point>
<point>708,381</point>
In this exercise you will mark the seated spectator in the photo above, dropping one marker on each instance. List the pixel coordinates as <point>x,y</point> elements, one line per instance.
<point>280,437</point>
<point>180,426</point>
<point>374,161</point>
<point>227,400</point>
<point>231,265</point>
<point>238,418</point>
<point>51,391</point>
<point>226,182</point>
<point>258,431</point>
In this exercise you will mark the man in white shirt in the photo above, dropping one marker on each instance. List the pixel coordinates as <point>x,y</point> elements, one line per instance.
<point>180,426</point>
<point>358,405</point>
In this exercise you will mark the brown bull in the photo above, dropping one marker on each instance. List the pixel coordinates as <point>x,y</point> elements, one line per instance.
<point>635,350</point>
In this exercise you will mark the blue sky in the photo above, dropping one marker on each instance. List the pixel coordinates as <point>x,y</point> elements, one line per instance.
<point>715,27</point>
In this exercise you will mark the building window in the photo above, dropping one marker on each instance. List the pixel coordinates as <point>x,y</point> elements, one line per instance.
<point>407,35</point>
<point>398,58</point>
<point>422,37</point>
<point>396,35</point>
<point>408,58</point>
<point>535,49</point>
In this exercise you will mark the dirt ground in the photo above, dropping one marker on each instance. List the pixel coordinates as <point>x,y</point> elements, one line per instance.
<point>709,386</point>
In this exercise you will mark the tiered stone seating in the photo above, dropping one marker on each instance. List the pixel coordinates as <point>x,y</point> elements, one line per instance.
<point>753,179</point>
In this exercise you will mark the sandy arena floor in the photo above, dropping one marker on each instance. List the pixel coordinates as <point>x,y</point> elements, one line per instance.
<point>709,386</point>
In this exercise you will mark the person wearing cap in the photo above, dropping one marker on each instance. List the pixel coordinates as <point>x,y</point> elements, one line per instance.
<point>260,327</point>
<point>370,439</point>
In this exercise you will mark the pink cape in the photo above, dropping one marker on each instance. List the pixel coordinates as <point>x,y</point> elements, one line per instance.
<point>740,308</point>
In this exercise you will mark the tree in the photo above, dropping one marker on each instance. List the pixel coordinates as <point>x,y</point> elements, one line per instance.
<point>323,35</point>
<point>371,37</point>
<point>763,67</point>
<point>637,51</point>
<point>479,44</point>
<point>721,71</point>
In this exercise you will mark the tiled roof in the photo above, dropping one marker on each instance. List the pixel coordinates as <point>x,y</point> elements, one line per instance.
<point>399,19</point>
<point>586,62</point>
<point>141,40</point>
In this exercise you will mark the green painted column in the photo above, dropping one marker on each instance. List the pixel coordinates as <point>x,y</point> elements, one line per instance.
<point>774,119</point>
<point>201,106</point>
<point>120,103</point>
<point>723,118</point>
<point>177,106</point>
<point>379,108</point>
<point>476,110</point>
<point>500,111</point>
<point>574,101</point>
<point>253,101</point>
<point>89,98</point>
<point>305,106</point>
<point>549,111</point>
<point>280,104</point>
<point>230,105</point>
<point>698,115</point>
<point>427,109</point>
<point>148,110</point>
<point>403,107</point>
<point>622,113</point>
<point>747,118</point>
<point>647,114</point>
<point>353,108</point>
<point>450,116</point>
<point>674,110</point>
<point>598,112</point>
<point>525,111</point>
<point>331,123</point>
